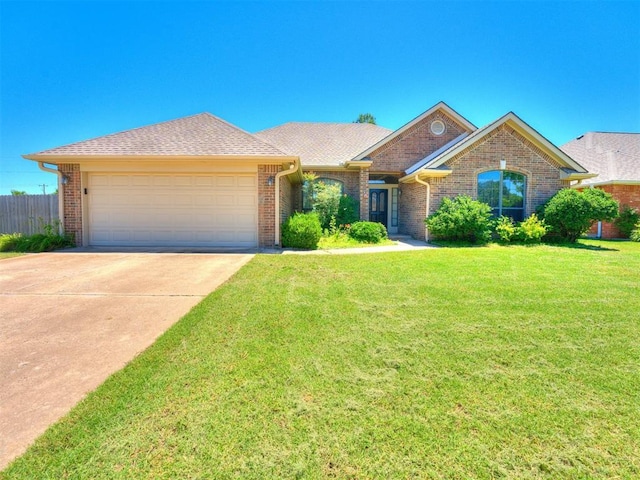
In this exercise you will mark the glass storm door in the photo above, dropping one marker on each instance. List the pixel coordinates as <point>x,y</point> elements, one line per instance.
<point>378,206</point>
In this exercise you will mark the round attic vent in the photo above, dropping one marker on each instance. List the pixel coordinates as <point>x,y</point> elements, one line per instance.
<point>437,127</point>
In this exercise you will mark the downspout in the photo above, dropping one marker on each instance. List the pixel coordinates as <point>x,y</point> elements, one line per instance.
<point>426,184</point>
<point>61,182</point>
<point>292,169</point>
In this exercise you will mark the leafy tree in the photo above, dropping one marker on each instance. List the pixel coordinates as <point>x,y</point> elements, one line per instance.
<point>348,210</point>
<point>326,202</point>
<point>16,193</point>
<point>570,213</point>
<point>365,118</point>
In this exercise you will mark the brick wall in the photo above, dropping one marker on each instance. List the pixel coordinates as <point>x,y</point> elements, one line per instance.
<point>349,179</point>
<point>414,144</point>
<point>363,194</point>
<point>267,205</point>
<point>543,174</point>
<point>625,195</point>
<point>72,198</point>
<point>411,210</point>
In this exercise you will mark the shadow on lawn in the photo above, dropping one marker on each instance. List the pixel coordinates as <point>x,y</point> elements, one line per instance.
<point>578,245</point>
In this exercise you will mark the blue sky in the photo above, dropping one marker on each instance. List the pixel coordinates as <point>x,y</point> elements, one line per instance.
<point>76,70</point>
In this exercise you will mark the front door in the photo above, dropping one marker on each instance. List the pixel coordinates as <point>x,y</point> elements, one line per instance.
<point>378,205</point>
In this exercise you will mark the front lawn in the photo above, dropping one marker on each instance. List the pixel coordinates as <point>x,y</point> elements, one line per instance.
<point>516,362</point>
<point>9,254</point>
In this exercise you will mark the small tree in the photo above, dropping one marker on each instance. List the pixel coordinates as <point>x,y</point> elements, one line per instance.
<point>348,210</point>
<point>326,202</point>
<point>17,193</point>
<point>461,219</point>
<point>365,118</point>
<point>570,213</point>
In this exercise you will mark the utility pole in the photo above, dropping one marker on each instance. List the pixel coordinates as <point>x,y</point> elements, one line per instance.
<point>44,188</point>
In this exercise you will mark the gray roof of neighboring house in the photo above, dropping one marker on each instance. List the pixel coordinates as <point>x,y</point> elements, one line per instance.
<point>201,134</point>
<point>613,156</point>
<point>324,144</point>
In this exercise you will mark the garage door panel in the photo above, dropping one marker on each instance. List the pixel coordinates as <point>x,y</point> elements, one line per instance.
<point>172,210</point>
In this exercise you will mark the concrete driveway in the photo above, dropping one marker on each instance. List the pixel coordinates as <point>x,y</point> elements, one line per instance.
<point>69,320</point>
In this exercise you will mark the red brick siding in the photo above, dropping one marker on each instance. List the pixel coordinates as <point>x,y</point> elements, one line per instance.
<point>286,198</point>
<point>72,201</point>
<point>413,145</point>
<point>411,210</point>
<point>543,174</point>
<point>349,179</point>
<point>267,205</point>
<point>363,195</point>
<point>625,195</point>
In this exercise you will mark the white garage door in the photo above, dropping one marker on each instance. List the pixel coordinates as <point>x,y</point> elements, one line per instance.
<point>211,210</point>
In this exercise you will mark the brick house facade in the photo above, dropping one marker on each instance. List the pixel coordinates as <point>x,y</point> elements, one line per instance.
<point>410,170</point>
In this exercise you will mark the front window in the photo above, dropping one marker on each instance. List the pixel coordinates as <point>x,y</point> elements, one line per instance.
<point>504,191</point>
<point>309,190</point>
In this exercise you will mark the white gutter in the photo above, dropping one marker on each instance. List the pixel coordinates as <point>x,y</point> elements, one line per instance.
<point>292,169</point>
<point>61,183</point>
<point>422,182</point>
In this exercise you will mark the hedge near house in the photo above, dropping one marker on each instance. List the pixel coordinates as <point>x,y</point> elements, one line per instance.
<point>461,218</point>
<point>570,213</point>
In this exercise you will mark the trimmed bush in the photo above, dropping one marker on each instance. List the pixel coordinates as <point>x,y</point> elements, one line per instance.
<point>461,218</point>
<point>302,230</point>
<point>570,213</point>
<point>368,232</point>
<point>635,234</point>
<point>627,220</point>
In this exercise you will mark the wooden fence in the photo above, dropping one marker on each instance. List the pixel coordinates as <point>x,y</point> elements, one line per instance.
<point>27,213</point>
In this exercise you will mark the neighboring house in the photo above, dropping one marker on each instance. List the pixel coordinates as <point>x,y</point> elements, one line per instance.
<point>615,157</point>
<point>200,181</point>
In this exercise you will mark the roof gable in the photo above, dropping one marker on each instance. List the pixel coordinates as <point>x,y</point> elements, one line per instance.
<point>441,106</point>
<point>323,144</point>
<point>615,157</point>
<point>519,126</point>
<point>197,135</point>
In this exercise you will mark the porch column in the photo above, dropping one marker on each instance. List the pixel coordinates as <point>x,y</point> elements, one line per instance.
<point>364,193</point>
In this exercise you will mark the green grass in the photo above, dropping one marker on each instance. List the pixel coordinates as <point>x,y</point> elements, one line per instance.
<point>345,241</point>
<point>9,254</point>
<point>496,362</point>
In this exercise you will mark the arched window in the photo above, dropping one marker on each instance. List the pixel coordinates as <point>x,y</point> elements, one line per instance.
<point>504,191</point>
<point>310,190</point>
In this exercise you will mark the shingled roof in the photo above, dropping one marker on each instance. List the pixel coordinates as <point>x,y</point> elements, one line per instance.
<point>324,144</point>
<point>198,135</point>
<point>615,157</point>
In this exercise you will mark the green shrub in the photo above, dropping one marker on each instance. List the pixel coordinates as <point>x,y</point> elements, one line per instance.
<point>570,213</point>
<point>531,230</point>
<point>8,241</point>
<point>42,242</point>
<point>635,234</point>
<point>368,232</point>
<point>627,219</point>
<point>348,211</point>
<point>461,219</point>
<point>505,229</point>
<point>302,230</point>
